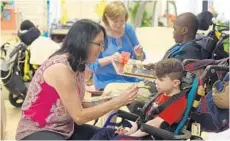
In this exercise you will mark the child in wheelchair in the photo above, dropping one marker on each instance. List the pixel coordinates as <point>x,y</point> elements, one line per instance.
<point>163,111</point>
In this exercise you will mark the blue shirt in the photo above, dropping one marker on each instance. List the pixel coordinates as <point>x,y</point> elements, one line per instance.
<point>107,74</point>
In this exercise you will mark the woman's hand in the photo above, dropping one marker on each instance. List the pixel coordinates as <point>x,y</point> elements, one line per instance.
<point>138,50</point>
<point>128,95</point>
<point>115,57</point>
<point>108,59</point>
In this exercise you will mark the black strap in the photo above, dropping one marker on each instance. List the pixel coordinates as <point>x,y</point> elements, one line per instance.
<point>168,53</point>
<point>163,106</point>
<point>145,108</point>
<point>172,99</point>
<point>149,104</point>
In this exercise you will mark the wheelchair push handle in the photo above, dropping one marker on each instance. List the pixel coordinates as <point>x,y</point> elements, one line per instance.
<point>224,28</point>
<point>17,49</point>
<point>213,69</point>
<point>3,45</point>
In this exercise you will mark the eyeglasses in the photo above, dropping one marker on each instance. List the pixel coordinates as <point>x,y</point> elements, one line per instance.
<point>99,44</point>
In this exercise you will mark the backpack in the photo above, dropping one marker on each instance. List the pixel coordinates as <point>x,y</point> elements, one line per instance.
<point>210,117</point>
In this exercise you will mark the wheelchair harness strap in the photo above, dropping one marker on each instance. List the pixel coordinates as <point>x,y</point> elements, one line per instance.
<point>157,110</point>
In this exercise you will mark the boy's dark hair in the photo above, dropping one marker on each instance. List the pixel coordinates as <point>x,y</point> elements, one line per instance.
<point>169,67</point>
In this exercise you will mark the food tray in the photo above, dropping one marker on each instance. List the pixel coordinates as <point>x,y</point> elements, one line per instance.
<point>133,68</point>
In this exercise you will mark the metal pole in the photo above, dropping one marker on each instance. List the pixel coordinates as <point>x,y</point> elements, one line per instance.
<point>205,5</point>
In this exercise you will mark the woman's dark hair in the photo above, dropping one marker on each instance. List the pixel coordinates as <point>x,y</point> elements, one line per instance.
<point>77,41</point>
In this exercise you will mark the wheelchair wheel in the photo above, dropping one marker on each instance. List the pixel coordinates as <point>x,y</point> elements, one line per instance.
<point>16,100</point>
<point>196,138</point>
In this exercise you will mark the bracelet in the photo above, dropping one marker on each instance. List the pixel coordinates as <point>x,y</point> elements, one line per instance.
<point>140,57</point>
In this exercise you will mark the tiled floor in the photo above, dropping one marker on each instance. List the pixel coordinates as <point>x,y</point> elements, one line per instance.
<point>12,118</point>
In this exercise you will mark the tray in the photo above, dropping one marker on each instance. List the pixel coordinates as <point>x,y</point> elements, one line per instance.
<point>133,68</point>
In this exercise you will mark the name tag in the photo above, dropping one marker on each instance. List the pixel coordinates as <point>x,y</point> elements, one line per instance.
<point>195,129</point>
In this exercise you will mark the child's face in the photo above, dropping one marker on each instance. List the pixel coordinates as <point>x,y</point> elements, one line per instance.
<point>165,84</point>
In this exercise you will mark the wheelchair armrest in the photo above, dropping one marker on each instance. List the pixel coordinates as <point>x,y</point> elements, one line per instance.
<point>157,132</point>
<point>127,115</point>
<point>188,61</point>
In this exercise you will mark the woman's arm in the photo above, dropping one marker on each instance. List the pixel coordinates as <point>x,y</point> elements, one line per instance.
<point>99,63</point>
<point>62,80</point>
<point>103,62</point>
<point>106,60</point>
<point>138,52</point>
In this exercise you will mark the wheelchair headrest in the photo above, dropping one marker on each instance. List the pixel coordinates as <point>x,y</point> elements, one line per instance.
<point>28,36</point>
<point>204,20</point>
<point>187,80</point>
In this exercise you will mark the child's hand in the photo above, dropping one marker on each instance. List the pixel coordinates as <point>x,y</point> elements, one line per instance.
<point>133,129</point>
<point>121,131</point>
<point>138,50</point>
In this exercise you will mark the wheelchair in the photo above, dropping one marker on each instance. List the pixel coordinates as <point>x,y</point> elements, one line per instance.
<point>20,62</point>
<point>16,72</point>
<point>195,85</point>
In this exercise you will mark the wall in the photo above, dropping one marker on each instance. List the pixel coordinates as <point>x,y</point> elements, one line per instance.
<point>82,9</point>
<point>26,10</point>
<point>194,6</point>
<point>222,7</point>
<point>155,41</point>
<point>34,10</point>
<point>9,21</point>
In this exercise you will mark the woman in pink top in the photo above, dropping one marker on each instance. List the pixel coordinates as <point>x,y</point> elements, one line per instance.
<point>53,107</point>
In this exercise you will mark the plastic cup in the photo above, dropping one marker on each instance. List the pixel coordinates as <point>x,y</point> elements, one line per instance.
<point>125,56</point>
